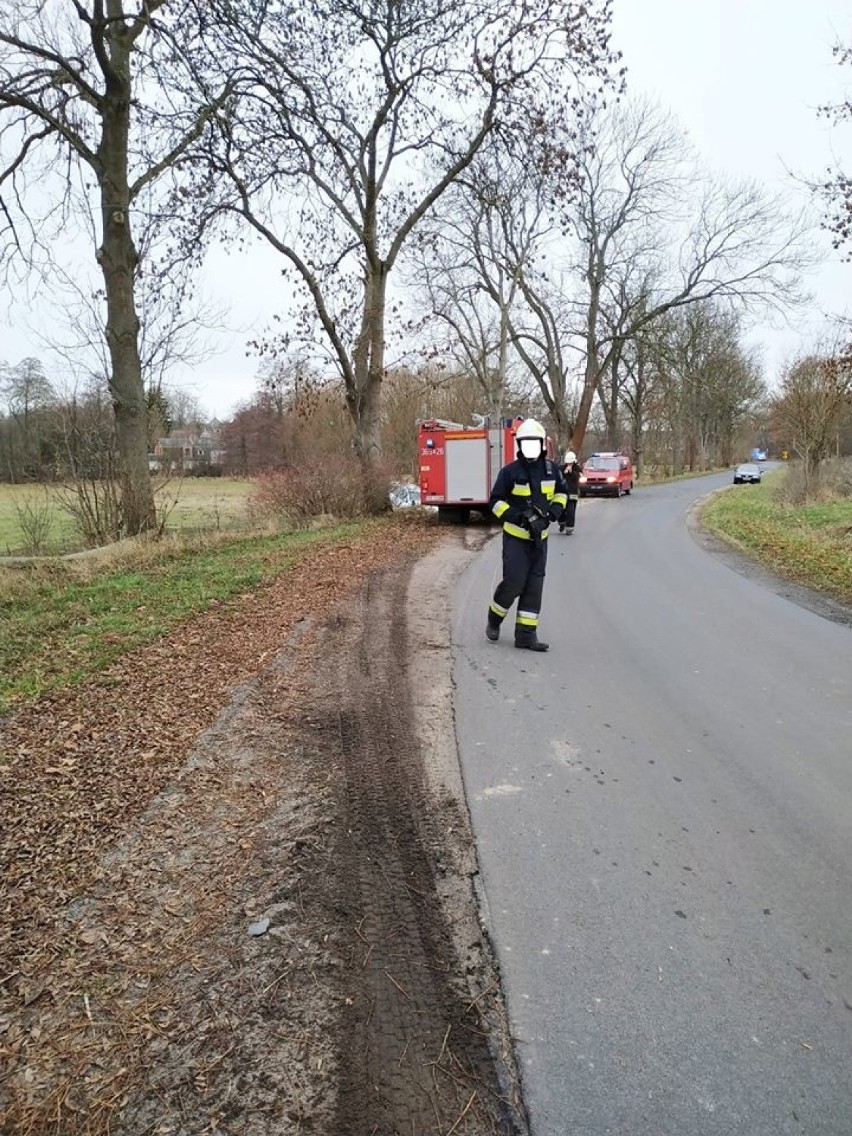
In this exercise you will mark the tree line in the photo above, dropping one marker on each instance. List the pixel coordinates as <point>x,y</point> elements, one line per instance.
<point>447,184</point>
<point>688,398</point>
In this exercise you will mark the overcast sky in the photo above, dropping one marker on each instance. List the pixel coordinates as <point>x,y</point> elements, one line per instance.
<point>744,77</point>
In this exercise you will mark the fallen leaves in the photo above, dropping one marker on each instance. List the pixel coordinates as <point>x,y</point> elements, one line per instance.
<point>80,772</point>
<point>81,765</point>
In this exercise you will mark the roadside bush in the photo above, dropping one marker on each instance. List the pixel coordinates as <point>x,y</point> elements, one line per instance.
<point>35,520</point>
<point>834,483</point>
<point>94,504</point>
<point>837,477</point>
<point>321,487</point>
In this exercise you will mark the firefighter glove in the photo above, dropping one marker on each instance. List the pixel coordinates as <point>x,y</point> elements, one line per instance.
<point>538,524</point>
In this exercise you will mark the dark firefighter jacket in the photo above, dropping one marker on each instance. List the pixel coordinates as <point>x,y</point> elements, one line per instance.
<point>521,485</point>
<point>571,473</point>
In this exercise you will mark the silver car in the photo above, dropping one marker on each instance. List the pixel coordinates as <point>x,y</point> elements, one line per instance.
<point>747,473</point>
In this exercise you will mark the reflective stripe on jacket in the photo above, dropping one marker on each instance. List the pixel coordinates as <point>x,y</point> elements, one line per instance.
<point>522,484</point>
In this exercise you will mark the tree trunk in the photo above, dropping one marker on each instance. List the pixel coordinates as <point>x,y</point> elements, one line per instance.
<point>813,463</point>
<point>564,429</point>
<point>637,414</point>
<point>586,398</point>
<point>611,412</point>
<point>118,258</point>
<point>592,372</point>
<point>636,425</point>
<point>495,410</point>
<point>495,407</point>
<point>368,358</point>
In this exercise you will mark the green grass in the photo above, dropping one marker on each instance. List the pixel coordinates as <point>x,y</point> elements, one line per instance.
<point>202,503</point>
<point>17,499</point>
<point>810,544</point>
<point>67,622</point>
<point>192,504</point>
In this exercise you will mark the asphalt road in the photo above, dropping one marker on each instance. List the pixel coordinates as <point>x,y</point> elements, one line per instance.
<point>663,813</point>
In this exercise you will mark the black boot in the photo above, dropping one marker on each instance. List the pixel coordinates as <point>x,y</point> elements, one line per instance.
<point>529,641</point>
<point>492,628</point>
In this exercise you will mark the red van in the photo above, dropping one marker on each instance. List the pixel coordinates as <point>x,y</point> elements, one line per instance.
<point>609,474</point>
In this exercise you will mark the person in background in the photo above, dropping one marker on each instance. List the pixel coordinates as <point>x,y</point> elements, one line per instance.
<point>528,495</point>
<point>571,470</point>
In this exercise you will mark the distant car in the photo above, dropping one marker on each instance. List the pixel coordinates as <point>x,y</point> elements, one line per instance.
<point>747,473</point>
<point>609,474</point>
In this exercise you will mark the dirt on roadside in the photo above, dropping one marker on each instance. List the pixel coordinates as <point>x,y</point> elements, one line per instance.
<point>285,938</point>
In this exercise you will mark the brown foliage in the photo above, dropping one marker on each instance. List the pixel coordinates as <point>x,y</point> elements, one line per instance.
<point>429,392</point>
<point>835,483</point>
<point>815,398</point>
<point>322,486</point>
<point>276,430</point>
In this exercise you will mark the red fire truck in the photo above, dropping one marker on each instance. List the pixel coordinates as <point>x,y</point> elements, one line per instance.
<point>459,464</point>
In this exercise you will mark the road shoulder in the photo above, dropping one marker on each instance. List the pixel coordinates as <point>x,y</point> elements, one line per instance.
<point>809,598</point>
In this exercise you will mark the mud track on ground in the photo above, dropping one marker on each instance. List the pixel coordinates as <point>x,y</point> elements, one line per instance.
<point>323,811</point>
<point>417,1055</point>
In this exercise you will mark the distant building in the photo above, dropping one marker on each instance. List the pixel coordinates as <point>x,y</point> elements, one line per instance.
<point>188,451</point>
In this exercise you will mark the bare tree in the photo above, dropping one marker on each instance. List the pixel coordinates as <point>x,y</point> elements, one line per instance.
<point>470,266</point>
<point>722,385</point>
<point>91,489</point>
<point>551,190</point>
<point>601,246</point>
<point>491,256</point>
<point>703,384</point>
<point>541,338</point>
<point>90,86</point>
<point>835,191</point>
<point>183,410</point>
<point>816,393</point>
<point>25,443</point>
<point>646,215</point>
<point>173,327</point>
<point>636,391</point>
<point>354,121</point>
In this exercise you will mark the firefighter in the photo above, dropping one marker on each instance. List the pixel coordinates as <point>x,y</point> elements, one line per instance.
<point>528,495</point>
<point>571,470</point>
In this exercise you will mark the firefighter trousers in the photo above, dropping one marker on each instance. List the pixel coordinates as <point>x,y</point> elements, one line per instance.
<point>524,563</point>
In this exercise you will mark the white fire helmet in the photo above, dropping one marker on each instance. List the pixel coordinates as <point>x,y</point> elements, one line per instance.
<point>570,458</point>
<point>530,436</point>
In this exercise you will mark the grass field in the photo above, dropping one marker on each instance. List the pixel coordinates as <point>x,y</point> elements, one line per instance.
<point>810,544</point>
<point>65,621</point>
<point>205,503</point>
<point>193,504</point>
<point>16,501</point>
